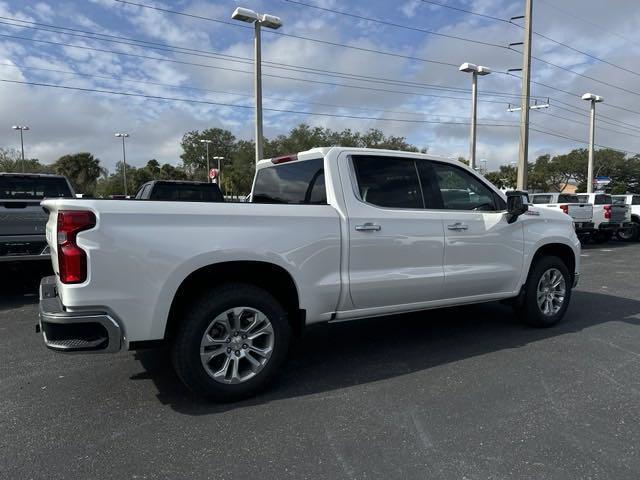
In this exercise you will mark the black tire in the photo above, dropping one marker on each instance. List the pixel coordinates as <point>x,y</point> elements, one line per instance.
<point>630,235</point>
<point>601,237</point>
<point>198,316</point>
<point>529,311</point>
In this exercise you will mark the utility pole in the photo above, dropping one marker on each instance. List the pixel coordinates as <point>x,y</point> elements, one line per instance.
<point>593,99</point>
<point>523,156</point>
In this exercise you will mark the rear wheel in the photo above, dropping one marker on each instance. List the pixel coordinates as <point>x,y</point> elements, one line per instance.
<point>547,293</point>
<point>231,343</point>
<point>628,234</point>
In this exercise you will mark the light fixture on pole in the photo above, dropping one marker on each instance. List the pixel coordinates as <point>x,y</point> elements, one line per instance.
<point>590,97</point>
<point>22,128</point>
<point>207,142</point>
<point>124,160</point>
<point>258,20</point>
<point>475,70</point>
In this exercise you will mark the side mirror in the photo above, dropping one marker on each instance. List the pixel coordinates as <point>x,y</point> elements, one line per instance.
<point>517,204</point>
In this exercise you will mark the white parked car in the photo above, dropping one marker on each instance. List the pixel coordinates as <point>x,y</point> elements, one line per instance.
<point>633,202</point>
<point>331,234</point>
<point>609,218</point>
<point>569,203</point>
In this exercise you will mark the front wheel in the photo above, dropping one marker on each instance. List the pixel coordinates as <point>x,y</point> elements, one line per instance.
<point>231,343</point>
<point>547,293</point>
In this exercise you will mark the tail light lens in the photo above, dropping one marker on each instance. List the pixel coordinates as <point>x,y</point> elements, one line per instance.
<point>72,260</point>
<point>565,208</point>
<point>607,212</point>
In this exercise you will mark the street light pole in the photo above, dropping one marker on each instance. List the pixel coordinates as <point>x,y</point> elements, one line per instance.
<point>124,160</point>
<point>22,128</point>
<point>207,142</point>
<point>475,70</point>
<point>219,176</point>
<point>258,20</point>
<point>593,99</point>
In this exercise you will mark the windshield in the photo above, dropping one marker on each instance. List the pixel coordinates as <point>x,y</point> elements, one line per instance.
<point>33,188</point>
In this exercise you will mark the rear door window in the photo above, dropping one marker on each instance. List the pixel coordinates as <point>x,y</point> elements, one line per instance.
<point>619,200</point>
<point>388,182</point>
<point>635,200</point>
<point>299,182</point>
<point>603,200</point>
<point>184,192</point>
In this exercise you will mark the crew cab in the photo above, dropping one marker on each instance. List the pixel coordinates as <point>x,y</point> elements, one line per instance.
<point>609,218</point>
<point>569,203</point>
<point>633,202</point>
<point>329,235</point>
<point>180,190</point>
<point>22,220</point>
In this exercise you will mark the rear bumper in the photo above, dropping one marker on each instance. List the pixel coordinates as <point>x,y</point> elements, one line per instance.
<point>75,332</point>
<point>609,226</point>
<point>584,227</point>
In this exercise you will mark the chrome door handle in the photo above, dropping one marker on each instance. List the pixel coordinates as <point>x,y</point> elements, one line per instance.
<point>458,226</point>
<point>368,227</point>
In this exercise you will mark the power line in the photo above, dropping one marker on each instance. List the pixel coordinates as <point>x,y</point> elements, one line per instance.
<point>466,11</point>
<point>238,59</point>
<point>181,62</point>
<point>275,32</point>
<point>397,25</point>
<point>241,94</point>
<point>573,16</point>
<point>222,104</point>
<point>566,137</point>
<point>587,123</point>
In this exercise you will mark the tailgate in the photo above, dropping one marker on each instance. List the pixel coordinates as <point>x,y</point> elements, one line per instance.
<point>620,213</point>
<point>582,212</point>
<point>22,217</point>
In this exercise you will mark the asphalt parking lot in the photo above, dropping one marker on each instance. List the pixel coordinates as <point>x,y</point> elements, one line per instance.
<point>466,393</point>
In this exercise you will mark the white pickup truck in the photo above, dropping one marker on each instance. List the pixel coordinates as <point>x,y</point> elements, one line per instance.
<point>569,203</point>
<point>633,202</point>
<point>330,234</point>
<point>610,218</point>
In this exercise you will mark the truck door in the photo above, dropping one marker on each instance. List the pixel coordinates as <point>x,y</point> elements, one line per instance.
<point>396,246</point>
<point>483,254</point>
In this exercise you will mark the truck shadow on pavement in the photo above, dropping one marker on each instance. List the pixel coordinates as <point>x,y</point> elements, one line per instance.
<point>337,356</point>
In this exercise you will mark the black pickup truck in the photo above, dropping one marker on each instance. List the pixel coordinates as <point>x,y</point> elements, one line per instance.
<point>181,191</point>
<point>22,219</point>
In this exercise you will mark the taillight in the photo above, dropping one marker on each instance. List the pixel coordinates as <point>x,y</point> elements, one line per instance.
<point>565,208</point>
<point>72,260</point>
<point>607,212</point>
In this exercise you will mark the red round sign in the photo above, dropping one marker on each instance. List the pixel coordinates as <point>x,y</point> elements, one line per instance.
<point>213,173</point>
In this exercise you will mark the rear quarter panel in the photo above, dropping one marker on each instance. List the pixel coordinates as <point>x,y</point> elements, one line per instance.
<point>140,252</point>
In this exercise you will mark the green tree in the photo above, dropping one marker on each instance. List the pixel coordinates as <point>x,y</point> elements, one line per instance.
<point>11,161</point>
<point>194,156</point>
<point>82,170</point>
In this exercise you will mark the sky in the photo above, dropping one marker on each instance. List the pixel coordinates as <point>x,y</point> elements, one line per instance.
<point>349,71</point>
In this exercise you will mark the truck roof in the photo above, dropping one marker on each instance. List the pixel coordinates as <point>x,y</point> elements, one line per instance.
<point>318,152</point>
<point>17,174</point>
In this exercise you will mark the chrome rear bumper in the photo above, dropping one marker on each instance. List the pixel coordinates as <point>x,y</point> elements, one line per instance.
<point>75,332</point>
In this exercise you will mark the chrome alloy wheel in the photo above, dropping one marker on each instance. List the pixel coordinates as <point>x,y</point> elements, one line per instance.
<point>551,292</point>
<point>237,345</point>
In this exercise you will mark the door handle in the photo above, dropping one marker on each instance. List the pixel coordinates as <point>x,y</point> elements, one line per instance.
<point>458,226</point>
<point>368,227</point>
